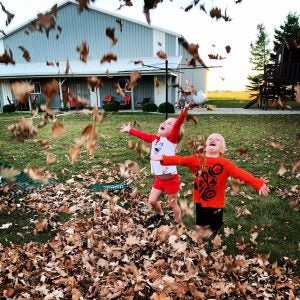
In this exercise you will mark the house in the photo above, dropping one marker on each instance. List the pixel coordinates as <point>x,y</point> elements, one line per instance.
<point>72,46</point>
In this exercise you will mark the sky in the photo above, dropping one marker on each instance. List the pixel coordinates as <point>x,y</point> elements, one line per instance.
<point>211,35</point>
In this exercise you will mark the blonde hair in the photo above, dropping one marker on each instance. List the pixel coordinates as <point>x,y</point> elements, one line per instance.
<point>220,136</point>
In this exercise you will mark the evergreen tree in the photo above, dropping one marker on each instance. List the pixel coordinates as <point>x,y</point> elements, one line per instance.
<point>290,29</point>
<point>259,57</point>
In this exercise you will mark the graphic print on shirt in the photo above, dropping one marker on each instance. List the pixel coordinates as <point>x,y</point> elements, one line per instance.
<point>158,146</point>
<point>206,180</point>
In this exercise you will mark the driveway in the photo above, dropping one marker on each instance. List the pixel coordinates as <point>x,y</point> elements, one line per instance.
<point>242,111</point>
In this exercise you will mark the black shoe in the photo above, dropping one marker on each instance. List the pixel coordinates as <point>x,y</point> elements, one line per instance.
<point>154,221</point>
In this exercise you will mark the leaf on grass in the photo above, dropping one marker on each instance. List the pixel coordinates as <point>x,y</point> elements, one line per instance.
<point>276,145</point>
<point>242,211</point>
<point>51,158</point>
<point>282,170</point>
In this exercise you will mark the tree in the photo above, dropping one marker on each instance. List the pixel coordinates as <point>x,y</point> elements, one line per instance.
<point>259,57</point>
<point>290,29</point>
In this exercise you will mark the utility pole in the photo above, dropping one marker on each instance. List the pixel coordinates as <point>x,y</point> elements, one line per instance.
<point>166,89</point>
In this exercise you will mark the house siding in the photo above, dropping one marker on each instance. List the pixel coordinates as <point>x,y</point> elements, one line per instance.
<point>89,26</point>
<point>135,42</point>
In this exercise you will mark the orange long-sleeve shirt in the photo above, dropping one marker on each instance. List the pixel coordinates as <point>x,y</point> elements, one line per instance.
<point>210,177</point>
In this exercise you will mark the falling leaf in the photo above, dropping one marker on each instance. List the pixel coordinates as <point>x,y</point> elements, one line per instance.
<point>191,118</point>
<point>9,173</point>
<point>119,21</point>
<point>215,13</point>
<point>134,77</point>
<point>74,152</point>
<point>37,174</point>
<point>7,57</point>
<point>9,15</point>
<point>242,150</point>
<point>161,54</point>
<point>26,54</point>
<point>50,90</point>
<point>57,129</point>
<point>94,82</point>
<point>83,50</point>
<point>22,90</point>
<point>67,71</point>
<point>108,58</point>
<point>228,49</point>
<point>110,32</point>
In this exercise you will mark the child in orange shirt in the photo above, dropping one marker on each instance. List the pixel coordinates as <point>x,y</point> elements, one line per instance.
<point>211,171</point>
<point>166,178</point>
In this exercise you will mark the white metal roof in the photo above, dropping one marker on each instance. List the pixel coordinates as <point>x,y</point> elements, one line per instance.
<point>152,65</point>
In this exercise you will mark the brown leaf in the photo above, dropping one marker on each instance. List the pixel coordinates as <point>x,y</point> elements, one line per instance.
<point>7,57</point>
<point>50,90</point>
<point>37,174</point>
<point>191,118</point>
<point>83,50</point>
<point>57,129</point>
<point>108,58</point>
<point>228,49</point>
<point>282,170</point>
<point>94,82</point>
<point>22,90</point>
<point>26,54</point>
<point>134,77</point>
<point>73,153</point>
<point>110,32</point>
<point>67,71</point>
<point>51,158</point>
<point>161,54</point>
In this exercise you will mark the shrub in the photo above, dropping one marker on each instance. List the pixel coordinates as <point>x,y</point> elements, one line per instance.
<point>9,108</point>
<point>146,100</point>
<point>150,107</point>
<point>166,107</point>
<point>111,106</point>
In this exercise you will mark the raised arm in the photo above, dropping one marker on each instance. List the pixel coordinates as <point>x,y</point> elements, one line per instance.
<point>179,121</point>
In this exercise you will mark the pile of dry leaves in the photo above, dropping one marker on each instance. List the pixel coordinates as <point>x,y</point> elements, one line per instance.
<point>109,254</point>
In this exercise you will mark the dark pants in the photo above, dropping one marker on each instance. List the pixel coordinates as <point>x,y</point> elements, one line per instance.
<point>207,216</point>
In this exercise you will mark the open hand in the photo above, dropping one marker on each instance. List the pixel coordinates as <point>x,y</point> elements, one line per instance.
<point>264,190</point>
<point>125,128</point>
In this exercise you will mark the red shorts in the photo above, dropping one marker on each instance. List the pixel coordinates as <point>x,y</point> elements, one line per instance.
<point>169,186</point>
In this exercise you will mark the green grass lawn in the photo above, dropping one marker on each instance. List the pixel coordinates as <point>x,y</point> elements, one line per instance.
<point>236,103</point>
<point>276,218</point>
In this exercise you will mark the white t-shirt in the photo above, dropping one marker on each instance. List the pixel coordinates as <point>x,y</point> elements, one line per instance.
<point>165,147</point>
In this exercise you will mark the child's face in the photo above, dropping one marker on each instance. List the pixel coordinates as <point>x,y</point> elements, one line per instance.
<point>214,145</point>
<point>166,127</point>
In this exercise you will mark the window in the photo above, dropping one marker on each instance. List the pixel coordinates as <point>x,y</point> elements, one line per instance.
<point>123,82</point>
<point>37,88</point>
